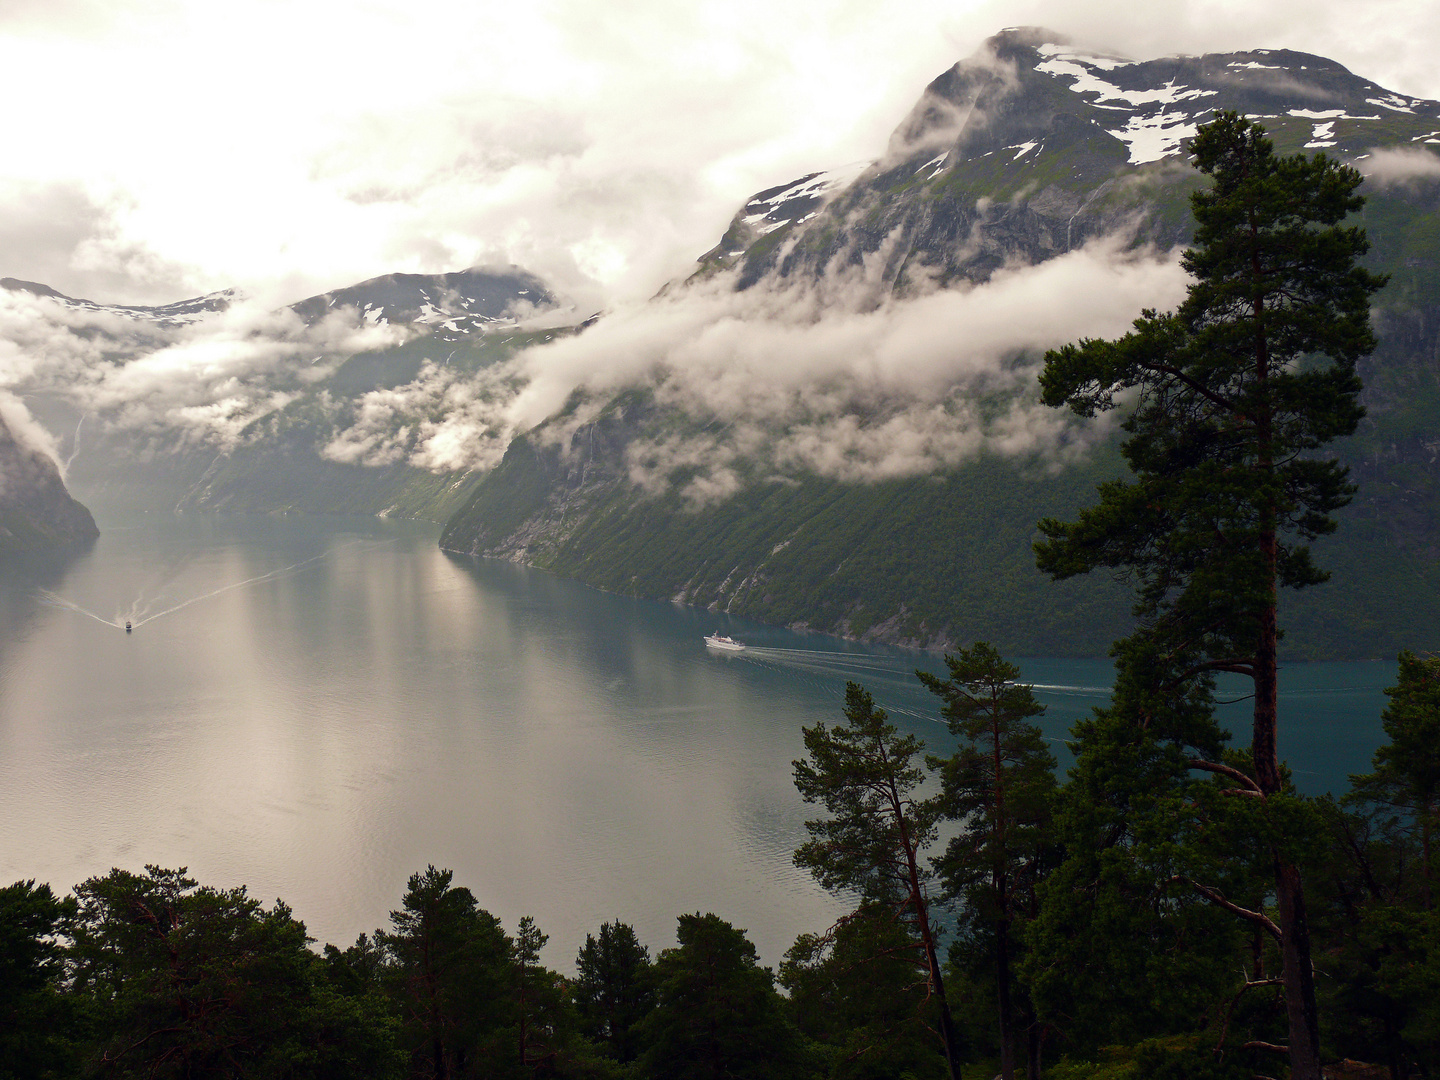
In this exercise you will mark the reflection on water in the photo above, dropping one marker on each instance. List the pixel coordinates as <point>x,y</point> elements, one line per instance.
<point>318,708</point>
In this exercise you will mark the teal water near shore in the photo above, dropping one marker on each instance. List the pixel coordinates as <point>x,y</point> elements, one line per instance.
<point>317,707</point>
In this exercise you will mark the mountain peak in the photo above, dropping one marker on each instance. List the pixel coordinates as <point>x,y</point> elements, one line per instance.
<point>1037,143</point>
<point>453,305</point>
<point>1025,37</point>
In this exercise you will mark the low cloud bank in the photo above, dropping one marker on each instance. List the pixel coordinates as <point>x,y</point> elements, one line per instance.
<point>1400,166</point>
<point>16,423</point>
<point>775,380</point>
<point>790,379</point>
<point>199,384</point>
<point>901,390</point>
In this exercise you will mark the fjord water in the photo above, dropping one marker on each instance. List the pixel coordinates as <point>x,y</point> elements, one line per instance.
<point>317,707</point>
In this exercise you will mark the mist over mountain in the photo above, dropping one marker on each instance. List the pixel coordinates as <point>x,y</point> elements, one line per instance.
<point>217,403</point>
<point>858,353</point>
<point>37,513</point>
<point>833,421</point>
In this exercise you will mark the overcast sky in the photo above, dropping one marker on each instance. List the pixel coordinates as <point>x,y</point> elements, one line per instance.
<point>156,149</point>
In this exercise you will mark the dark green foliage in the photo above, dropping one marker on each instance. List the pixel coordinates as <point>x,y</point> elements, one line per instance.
<point>1406,776</point>
<point>357,970</point>
<point>182,980</point>
<point>999,786</point>
<point>862,773</point>
<point>614,989</point>
<point>872,845</point>
<point>449,967</point>
<point>540,1004</point>
<point>1234,395</point>
<point>1375,897</point>
<point>35,1018</point>
<point>1382,980</point>
<point>1163,1059</point>
<point>1227,414</point>
<point>1119,951</point>
<point>1400,982</point>
<point>717,1013</point>
<point>856,991</point>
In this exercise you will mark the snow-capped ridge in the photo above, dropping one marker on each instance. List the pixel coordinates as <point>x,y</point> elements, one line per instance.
<point>179,313</point>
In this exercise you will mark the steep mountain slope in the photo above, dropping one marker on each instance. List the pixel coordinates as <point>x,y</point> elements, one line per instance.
<point>1014,158</point>
<point>36,512</point>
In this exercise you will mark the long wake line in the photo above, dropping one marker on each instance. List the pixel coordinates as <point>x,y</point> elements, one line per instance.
<point>139,615</point>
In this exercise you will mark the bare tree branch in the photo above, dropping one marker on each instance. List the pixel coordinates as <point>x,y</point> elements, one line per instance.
<point>1260,919</point>
<point>1206,765</point>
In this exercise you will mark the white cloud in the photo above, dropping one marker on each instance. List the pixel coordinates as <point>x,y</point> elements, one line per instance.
<point>1398,166</point>
<point>864,393</point>
<point>287,148</point>
<point>202,382</point>
<point>26,431</point>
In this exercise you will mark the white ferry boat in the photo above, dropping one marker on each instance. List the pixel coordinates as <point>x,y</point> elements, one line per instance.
<point>720,641</point>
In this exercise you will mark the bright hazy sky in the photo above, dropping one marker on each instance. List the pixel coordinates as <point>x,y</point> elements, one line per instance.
<point>156,149</point>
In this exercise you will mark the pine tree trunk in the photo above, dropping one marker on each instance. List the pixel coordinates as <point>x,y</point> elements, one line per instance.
<point>1299,975</point>
<point>1002,979</point>
<point>1296,969</point>
<point>927,938</point>
<point>948,1035</point>
<point>1427,812</point>
<point>1034,1042</point>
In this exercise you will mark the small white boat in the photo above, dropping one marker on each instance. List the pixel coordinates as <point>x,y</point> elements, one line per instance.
<point>720,641</point>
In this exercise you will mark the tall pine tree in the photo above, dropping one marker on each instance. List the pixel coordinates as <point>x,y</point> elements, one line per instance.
<point>873,843</point>
<point>1232,395</point>
<point>999,784</point>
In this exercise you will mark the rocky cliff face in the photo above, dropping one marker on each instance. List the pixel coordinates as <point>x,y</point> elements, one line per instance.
<point>36,512</point>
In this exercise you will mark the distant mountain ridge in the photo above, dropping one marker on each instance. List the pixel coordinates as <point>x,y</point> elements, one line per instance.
<point>452,306</point>
<point>180,313</point>
<point>458,322</point>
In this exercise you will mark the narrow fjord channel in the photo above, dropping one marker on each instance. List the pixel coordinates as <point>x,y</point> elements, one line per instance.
<point>318,707</point>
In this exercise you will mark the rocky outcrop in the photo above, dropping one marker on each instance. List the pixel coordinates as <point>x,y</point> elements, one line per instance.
<point>36,512</point>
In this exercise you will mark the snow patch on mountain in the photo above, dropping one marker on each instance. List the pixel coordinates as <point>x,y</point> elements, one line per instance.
<point>1154,130</point>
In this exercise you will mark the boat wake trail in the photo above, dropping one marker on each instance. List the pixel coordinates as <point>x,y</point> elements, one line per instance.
<point>827,663</point>
<point>890,679</point>
<point>141,610</point>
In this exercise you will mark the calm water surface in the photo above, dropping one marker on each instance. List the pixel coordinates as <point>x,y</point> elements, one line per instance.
<point>319,707</point>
